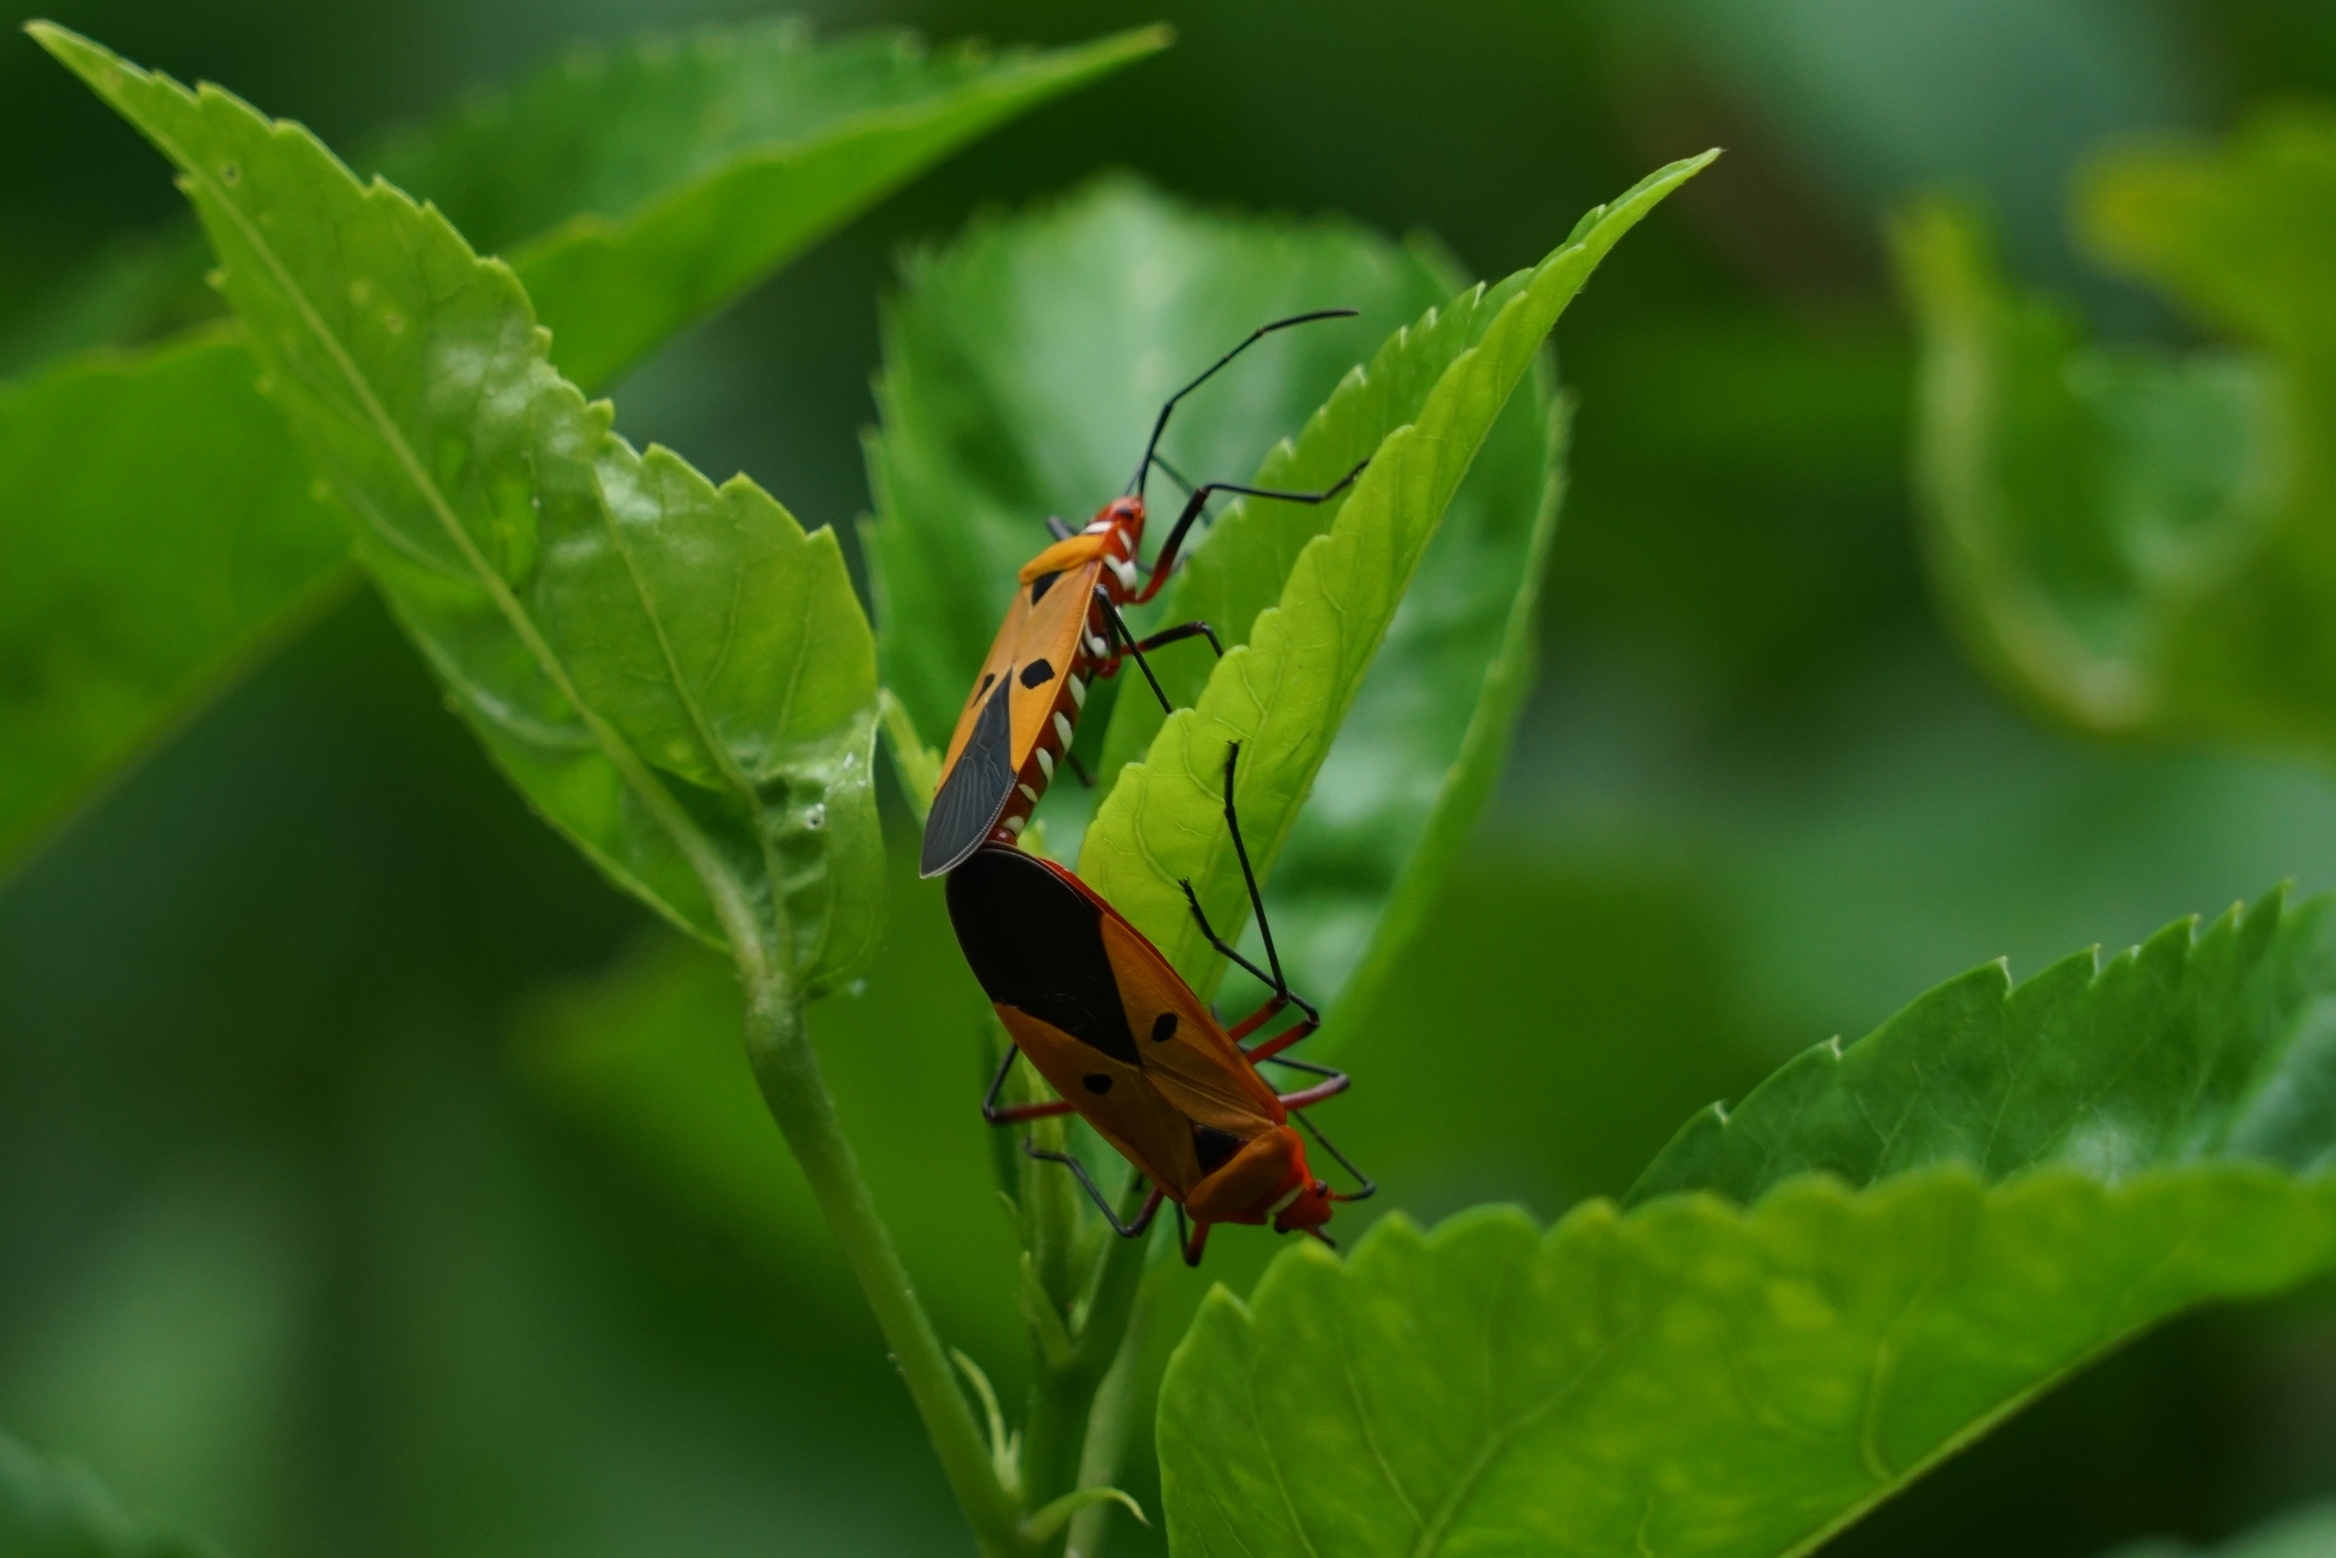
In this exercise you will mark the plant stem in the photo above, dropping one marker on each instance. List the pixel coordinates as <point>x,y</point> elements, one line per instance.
<point>1062,1397</point>
<point>1108,1423</point>
<point>779,1046</point>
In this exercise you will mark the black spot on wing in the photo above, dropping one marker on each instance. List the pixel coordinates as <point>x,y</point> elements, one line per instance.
<point>1097,1082</point>
<point>1163,1027</point>
<point>1040,585</point>
<point>975,792</point>
<point>1038,672</point>
<point>1036,944</point>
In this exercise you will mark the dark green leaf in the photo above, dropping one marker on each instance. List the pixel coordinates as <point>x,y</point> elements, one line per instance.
<point>677,676</point>
<point>636,188</point>
<point>53,1510</point>
<point>2132,538</point>
<point>1285,693</point>
<point>166,534</point>
<point>636,192</point>
<point>1687,1378</point>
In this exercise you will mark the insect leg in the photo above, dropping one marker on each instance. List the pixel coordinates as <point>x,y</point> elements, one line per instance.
<point>1256,898</point>
<point>1118,625</point>
<point>1183,630</point>
<point>1143,1219</point>
<point>1200,916</point>
<point>1370,1185</point>
<point>1080,769</point>
<point>1193,1243</point>
<point>1165,562</point>
<point>1014,1113</point>
<point>1160,425</point>
<point>1056,528</point>
<point>1337,1083</point>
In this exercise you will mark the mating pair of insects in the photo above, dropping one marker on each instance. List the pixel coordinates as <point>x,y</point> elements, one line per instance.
<point>1123,1040</point>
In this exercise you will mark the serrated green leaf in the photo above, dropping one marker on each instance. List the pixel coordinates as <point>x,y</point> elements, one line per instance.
<point>1688,1378</point>
<point>1284,694</point>
<point>636,188</point>
<point>677,676</point>
<point>2133,538</point>
<point>53,1510</point>
<point>2189,1046</point>
<point>978,423</point>
<point>167,535</point>
<point>1944,1219</point>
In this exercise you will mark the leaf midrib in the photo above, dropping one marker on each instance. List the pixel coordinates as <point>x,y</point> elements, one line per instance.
<point>737,919</point>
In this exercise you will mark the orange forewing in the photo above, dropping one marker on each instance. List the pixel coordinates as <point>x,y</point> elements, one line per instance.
<point>1048,631</point>
<point>1129,1112</point>
<point>1185,1050</point>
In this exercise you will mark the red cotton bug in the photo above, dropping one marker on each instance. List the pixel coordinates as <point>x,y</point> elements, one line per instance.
<point>1129,1046</point>
<point>1062,632</point>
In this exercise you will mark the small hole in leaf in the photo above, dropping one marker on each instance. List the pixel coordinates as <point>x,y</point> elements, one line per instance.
<point>230,173</point>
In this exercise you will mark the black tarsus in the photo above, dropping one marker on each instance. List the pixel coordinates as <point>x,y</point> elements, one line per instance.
<point>1160,424</point>
<point>1256,898</point>
<point>1182,631</point>
<point>1165,558</point>
<point>1058,529</point>
<point>1132,1230</point>
<point>1078,768</point>
<point>1118,625</point>
<point>1015,1114</point>
<point>1370,1185</point>
<point>1274,980</point>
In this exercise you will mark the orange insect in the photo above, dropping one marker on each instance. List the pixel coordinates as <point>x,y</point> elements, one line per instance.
<point>1127,1044</point>
<point>1062,632</point>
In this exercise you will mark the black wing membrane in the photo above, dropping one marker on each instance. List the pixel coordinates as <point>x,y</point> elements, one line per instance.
<point>977,788</point>
<point>1036,944</point>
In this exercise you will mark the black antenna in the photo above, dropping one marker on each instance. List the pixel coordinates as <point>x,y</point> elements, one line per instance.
<point>1260,333</point>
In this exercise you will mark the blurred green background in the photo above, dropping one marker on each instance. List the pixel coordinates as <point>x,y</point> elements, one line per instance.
<point>300,1248</point>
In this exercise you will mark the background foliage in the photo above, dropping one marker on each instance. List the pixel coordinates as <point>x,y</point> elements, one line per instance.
<point>319,1240</point>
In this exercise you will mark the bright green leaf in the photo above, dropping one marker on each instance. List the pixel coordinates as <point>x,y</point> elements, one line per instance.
<point>677,675</point>
<point>2133,538</point>
<point>1284,694</point>
<point>52,1510</point>
<point>1689,1378</point>
<point>636,189</point>
<point>167,536</point>
<point>2189,1046</point>
<point>1945,1218</point>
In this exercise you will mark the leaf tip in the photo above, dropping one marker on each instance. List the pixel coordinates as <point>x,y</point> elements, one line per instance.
<point>93,62</point>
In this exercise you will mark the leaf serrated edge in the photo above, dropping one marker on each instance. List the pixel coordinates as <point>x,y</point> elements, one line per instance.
<point>107,72</point>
